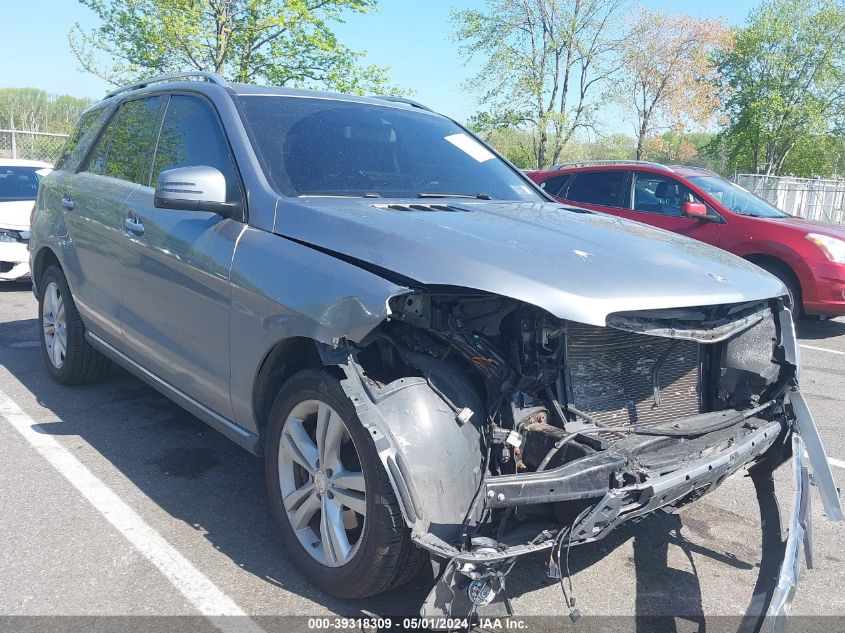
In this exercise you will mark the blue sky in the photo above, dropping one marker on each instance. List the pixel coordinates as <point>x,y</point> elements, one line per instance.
<point>409,36</point>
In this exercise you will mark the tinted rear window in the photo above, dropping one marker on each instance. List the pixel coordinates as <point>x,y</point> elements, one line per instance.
<point>18,183</point>
<point>81,139</point>
<point>125,149</point>
<point>598,187</point>
<point>329,147</point>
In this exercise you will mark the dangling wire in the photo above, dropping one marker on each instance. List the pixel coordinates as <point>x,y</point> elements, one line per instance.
<point>566,534</point>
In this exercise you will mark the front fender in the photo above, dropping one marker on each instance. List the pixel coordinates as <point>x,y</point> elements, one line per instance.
<point>282,290</point>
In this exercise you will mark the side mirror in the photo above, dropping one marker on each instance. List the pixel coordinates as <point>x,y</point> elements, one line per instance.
<point>195,188</point>
<point>695,210</point>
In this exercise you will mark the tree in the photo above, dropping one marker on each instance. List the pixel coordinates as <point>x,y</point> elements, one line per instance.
<point>814,156</point>
<point>282,42</point>
<point>513,143</point>
<point>33,110</point>
<point>690,148</point>
<point>669,72</point>
<point>784,83</point>
<point>544,60</point>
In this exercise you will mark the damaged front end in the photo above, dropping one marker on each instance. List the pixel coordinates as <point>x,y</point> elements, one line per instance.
<point>505,430</point>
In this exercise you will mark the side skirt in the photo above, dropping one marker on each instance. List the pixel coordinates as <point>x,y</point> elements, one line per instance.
<point>240,436</point>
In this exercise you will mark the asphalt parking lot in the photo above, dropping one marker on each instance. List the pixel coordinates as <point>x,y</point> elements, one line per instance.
<point>160,515</point>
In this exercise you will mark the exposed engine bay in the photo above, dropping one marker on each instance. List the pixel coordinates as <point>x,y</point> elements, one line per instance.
<point>551,433</point>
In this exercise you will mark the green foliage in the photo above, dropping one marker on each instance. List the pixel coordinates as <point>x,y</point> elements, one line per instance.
<point>281,42</point>
<point>34,110</point>
<point>670,148</point>
<point>543,62</point>
<point>514,144</point>
<point>610,147</point>
<point>669,72</point>
<point>813,156</point>
<point>784,87</point>
<point>691,148</point>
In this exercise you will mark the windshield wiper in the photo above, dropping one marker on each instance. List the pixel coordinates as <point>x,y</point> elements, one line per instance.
<point>338,195</point>
<point>477,196</point>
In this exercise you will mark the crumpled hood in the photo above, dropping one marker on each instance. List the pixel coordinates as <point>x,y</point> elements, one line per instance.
<point>577,266</point>
<point>14,214</point>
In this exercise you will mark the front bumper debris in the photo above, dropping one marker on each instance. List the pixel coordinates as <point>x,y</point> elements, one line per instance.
<point>538,473</point>
<point>450,595</point>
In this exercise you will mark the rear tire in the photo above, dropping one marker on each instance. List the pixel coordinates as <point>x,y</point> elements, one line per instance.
<point>68,356</point>
<point>369,546</point>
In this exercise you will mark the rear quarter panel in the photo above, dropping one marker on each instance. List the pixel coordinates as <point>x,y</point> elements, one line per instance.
<point>48,230</point>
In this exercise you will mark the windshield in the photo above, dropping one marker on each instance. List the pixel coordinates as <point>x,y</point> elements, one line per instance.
<point>328,147</point>
<point>736,198</point>
<point>18,183</point>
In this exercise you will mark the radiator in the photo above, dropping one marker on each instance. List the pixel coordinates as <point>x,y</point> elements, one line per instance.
<point>611,376</point>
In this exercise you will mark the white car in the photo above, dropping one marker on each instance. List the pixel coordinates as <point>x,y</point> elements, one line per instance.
<point>18,187</point>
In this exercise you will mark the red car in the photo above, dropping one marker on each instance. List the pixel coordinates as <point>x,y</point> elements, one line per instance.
<point>807,255</point>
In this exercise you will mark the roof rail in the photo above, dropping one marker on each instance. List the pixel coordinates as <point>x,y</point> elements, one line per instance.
<point>592,163</point>
<point>410,102</point>
<point>197,75</point>
<point>703,170</point>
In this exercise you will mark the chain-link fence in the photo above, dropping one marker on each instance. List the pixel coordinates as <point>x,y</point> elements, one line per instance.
<point>813,198</point>
<point>31,145</point>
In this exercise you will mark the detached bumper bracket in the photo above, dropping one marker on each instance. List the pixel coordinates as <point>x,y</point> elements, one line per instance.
<point>812,441</point>
<point>800,524</point>
<point>800,533</point>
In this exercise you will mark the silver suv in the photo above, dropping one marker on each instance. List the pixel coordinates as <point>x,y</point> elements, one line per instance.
<point>437,361</point>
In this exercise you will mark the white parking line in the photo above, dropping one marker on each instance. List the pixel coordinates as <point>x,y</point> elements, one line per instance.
<point>209,600</point>
<point>836,462</point>
<point>824,349</point>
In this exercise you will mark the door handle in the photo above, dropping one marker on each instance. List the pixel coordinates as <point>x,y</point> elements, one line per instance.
<point>135,225</point>
<point>67,203</point>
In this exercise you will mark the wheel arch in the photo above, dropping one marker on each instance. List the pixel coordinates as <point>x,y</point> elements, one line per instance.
<point>45,258</point>
<point>283,360</point>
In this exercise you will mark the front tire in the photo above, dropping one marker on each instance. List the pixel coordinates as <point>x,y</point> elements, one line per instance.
<point>330,495</point>
<point>793,287</point>
<point>68,356</point>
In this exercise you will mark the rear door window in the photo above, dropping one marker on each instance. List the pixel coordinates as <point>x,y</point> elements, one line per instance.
<point>191,135</point>
<point>605,188</point>
<point>83,135</point>
<point>125,149</point>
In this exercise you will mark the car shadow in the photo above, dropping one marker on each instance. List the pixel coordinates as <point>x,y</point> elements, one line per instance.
<point>667,599</point>
<point>199,477</point>
<point>14,286</point>
<point>817,330</point>
<point>185,467</point>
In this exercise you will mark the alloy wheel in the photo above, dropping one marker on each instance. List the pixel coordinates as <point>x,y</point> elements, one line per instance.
<point>322,483</point>
<point>54,325</point>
